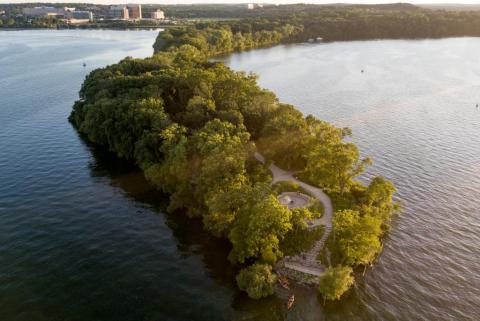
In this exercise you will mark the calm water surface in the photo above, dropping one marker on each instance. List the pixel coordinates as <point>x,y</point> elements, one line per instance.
<point>84,237</point>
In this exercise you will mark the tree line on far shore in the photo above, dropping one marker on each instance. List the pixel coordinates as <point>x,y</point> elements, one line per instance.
<point>330,22</point>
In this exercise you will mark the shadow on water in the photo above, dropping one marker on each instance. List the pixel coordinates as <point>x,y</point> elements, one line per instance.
<point>190,236</point>
<point>191,240</point>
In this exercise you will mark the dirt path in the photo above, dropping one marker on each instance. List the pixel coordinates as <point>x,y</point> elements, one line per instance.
<point>309,259</point>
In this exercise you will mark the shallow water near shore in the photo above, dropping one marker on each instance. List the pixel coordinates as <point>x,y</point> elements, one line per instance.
<point>84,237</point>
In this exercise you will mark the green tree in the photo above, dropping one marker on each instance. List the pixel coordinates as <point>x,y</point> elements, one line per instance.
<point>300,217</point>
<point>187,54</point>
<point>335,282</point>
<point>257,280</point>
<point>260,225</point>
<point>282,139</point>
<point>199,111</point>
<point>380,192</point>
<point>223,206</point>
<point>357,237</point>
<point>335,166</point>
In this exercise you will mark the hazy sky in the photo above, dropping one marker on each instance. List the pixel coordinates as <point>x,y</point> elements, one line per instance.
<point>245,1</point>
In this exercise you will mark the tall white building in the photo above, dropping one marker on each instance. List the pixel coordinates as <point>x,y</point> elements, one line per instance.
<point>158,15</point>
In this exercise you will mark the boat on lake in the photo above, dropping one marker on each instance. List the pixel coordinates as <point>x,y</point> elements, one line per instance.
<point>284,282</point>
<point>291,301</point>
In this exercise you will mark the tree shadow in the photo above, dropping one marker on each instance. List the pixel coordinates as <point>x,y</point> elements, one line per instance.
<point>191,238</point>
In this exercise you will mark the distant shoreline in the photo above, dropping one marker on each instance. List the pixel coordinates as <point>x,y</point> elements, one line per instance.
<point>91,28</point>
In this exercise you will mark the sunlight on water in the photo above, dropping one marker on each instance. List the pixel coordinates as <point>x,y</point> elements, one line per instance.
<point>413,110</point>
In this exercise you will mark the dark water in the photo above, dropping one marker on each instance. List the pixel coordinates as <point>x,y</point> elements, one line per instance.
<point>84,237</point>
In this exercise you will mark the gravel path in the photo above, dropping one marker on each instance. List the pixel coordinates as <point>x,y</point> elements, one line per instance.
<point>308,260</point>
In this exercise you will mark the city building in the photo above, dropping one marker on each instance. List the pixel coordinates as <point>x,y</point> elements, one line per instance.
<point>134,11</point>
<point>43,12</point>
<point>82,15</point>
<point>157,15</point>
<point>118,12</point>
<point>67,13</point>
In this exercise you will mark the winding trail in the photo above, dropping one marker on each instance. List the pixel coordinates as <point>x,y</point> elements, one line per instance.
<point>306,263</point>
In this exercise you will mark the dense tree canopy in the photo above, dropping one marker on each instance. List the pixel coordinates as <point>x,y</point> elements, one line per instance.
<point>220,38</point>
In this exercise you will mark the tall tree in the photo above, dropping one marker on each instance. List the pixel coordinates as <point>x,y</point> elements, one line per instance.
<point>335,282</point>
<point>335,166</point>
<point>357,237</point>
<point>380,192</point>
<point>260,225</point>
<point>257,280</point>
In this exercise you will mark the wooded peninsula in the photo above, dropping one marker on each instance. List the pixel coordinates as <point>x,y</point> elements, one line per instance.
<point>194,125</point>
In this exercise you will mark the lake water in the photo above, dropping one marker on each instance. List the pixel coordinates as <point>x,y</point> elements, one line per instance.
<point>414,111</point>
<point>84,237</point>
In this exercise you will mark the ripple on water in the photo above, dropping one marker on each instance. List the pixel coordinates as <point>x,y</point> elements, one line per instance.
<point>416,117</point>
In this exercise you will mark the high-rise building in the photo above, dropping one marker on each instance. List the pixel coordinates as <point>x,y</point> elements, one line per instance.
<point>157,15</point>
<point>134,11</point>
<point>118,12</point>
